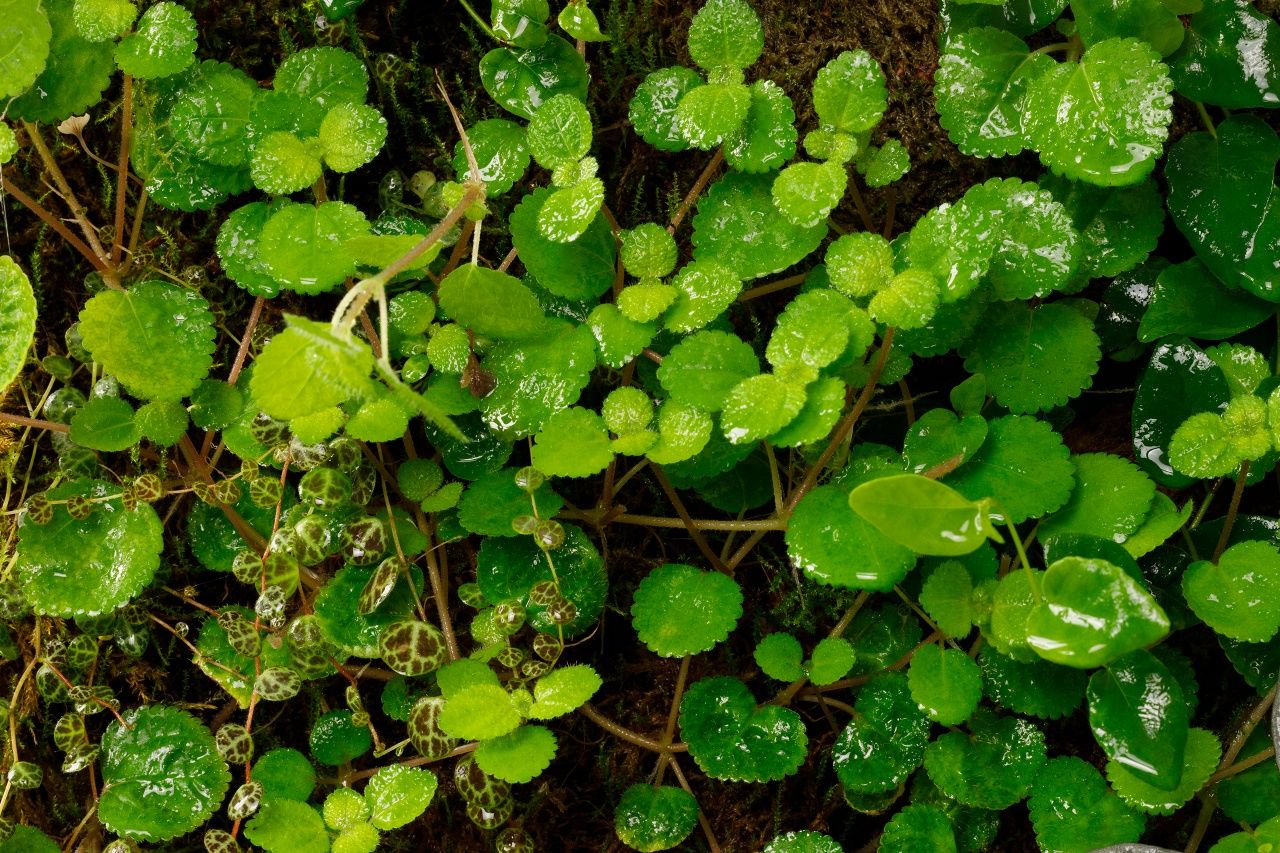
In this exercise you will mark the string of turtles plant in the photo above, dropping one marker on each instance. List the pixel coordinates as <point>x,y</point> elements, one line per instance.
<point>452,445</point>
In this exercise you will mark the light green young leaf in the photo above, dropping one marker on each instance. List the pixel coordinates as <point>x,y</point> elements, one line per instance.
<point>1037,249</point>
<point>779,656</point>
<point>725,34</point>
<point>479,712</point>
<point>1111,499</point>
<point>491,303</point>
<point>652,110</point>
<point>707,115</point>
<point>327,75</point>
<point>1240,596</point>
<point>17,320</point>
<point>104,423</point>
<point>569,211</point>
<point>766,139</point>
<point>759,406</point>
<point>163,43</point>
<point>945,683</point>
<point>579,21</point>
<point>859,264</point>
<point>908,301</point>
<point>703,368</point>
<point>519,756</point>
<point>397,795</point>
<point>849,94</point>
<point>287,826</point>
<point>306,369</point>
<point>733,217</point>
<point>806,192</point>
<point>563,690</point>
<point>1201,448</point>
<point>924,515</point>
<point>881,165</point>
<point>304,246</point>
<point>681,610</point>
<point>559,132</point>
<point>351,135</point>
<point>104,20</point>
<point>704,289</point>
<point>572,443</point>
<point>1242,365</point>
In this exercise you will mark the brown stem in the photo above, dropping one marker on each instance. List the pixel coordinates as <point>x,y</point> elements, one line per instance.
<point>860,204</point>
<point>135,231</point>
<point>402,263</point>
<point>1241,766</point>
<point>785,695</point>
<point>68,195</point>
<point>700,523</point>
<point>694,531</point>
<point>702,818</point>
<point>198,465</point>
<point>56,224</point>
<point>696,190</point>
<point>670,731</point>
<point>1232,510</point>
<point>21,420</point>
<point>772,287</point>
<point>439,591</point>
<point>623,733</point>
<point>122,186</point>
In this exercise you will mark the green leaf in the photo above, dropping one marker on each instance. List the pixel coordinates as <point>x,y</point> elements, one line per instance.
<point>156,338</point>
<point>1093,612</point>
<point>580,22</point>
<point>802,841</point>
<point>836,547</point>
<point>981,89</point>
<point>924,515</point>
<point>1223,196</point>
<point>304,245</point>
<point>569,211</point>
<point>489,504</point>
<point>884,741</point>
<point>919,828</point>
<point>1180,381</point>
<point>287,826</point>
<point>651,818</point>
<point>517,757</point>
<point>708,115</point>
<point>1149,20</point>
<point>993,767</point>
<point>211,114</point>
<point>1116,100</point>
<point>831,660</point>
<point>1111,499</point>
<point>779,656</point>
<point>859,264</point>
<point>740,204</point>
<point>104,20</point>
<point>397,795</point>
<point>17,320</point>
<point>939,438</point>
<point>1118,226</point>
<point>535,376</point>
<point>652,110</point>
<point>732,738</point>
<point>1037,249</point>
<point>1264,838</point>
<point>1189,300</point>
<point>326,75</point>
<point>824,402</point>
<point>766,139</point>
<point>703,368</point>
<point>559,132</point>
<point>1023,465</point>
<point>806,192</point>
<point>26,839</point>
<point>945,683</point>
<point>954,243</point>
<point>908,301</point>
<point>337,606</point>
<point>162,43</point>
<point>306,369</point>
<point>520,80</point>
<point>580,270</point>
<point>161,776</point>
<point>1240,596</point>
<point>478,712</point>
<point>24,46</point>
<point>1201,447</point>
<point>73,72</point>
<point>508,568</point>
<point>238,244</point>
<point>491,303</point>
<point>704,289</point>
<point>1012,602</point>
<point>572,443</point>
<point>947,596</point>
<point>352,135</point>
<point>849,93</point>
<point>883,164</point>
<point>105,423</point>
<point>1139,717</point>
<point>681,610</point>
<point>1073,810</point>
<point>563,691</point>
<point>1230,58</point>
<point>725,34</point>
<point>1162,521</point>
<point>1244,367</point>
<point>759,406</point>
<point>83,567</point>
<point>501,155</point>
<point>1034,358</point>
<point>1251,796</point>
<point>1199,762</point>
<point>1038,688</point>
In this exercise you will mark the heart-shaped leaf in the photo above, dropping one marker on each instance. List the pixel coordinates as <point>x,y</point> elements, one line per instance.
<point>1231,57</point>
<point>1240,596</point>
<point>1139,716</point>
<point>521,79</point>
<point>730,737</point>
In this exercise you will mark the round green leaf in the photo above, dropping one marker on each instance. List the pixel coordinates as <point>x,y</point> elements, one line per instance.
<point>579,270</point>
<point>491,303</point>
<point>517,757</point>
<point>303,245</point>
<point>83,567</point>
<point>542,372</point>
<point>1240,596</point>
<point>884,741</point>
<point>1118,226</point>
<point>508,568</point>
<point>1023,465</point>
<point>104,423</point>
<point>650,818</point>
<point>572,443</point>
<point>779,656</point>
<point>993,766</point>
<point>238,244</point>
<point>569,211</point>
<point>162,43</point>
<point>1150,20</point>
<point>1180,381</point>
<point>681,610</point>
<point>73,72</point>
<point>849,93</point>
<point>947,596</point>
<point>356,633</point>
<point>919,828</point>
<point>1199,762</point>
<point>1111,499</point>
<point>733,217</point>
<point>287,826</point>
<point>161,777</point>
<point>1038,688</point>
<point>352,135</point>
<point>156,338</point>
<point>1231,57</point>
<point>766,139</point>
<point>1093,612</point>
<point>327,76</point>
<point>725,34</point>
<point>1073,810</point>
<point>939,438</point>
<point>806,192</point>
<point>306,369</point>
<point>981,89</point>
<point>1116,102</point>
<point>563,691</point>
<point>1037,249</point>
<point>653,106</point>
<point>759,406</point>
<point>1139,717</point>
<point>211,114</point>
<point>520,80</point>
<point>803,841</point>
<point>24,46</point>
<point>707,115</point>
<point>493,501</point>
<point>704,289</point>
<point>559,132</point>
<point>837,547</point>
<point>501,155</point>
<point>945,683</point>
<point>703,368</point>
<point>731,738</point>
<point>17,319</point>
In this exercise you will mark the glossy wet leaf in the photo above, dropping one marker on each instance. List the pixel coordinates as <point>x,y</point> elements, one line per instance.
<point>1139,717</point>
<point>1231,57</point>
<point>919,828</point>
<point>162,43</point>
<point>73,72</point>
<point>1180,381</point>
<point>766,139</point>
<point>211,114</point>
<point>536,376</point>
<point>25,47</point>
<point>1023,465</point>
<point>1073,810</point>
<point>1149,20</point>
<point>69,567</point>
<point>993,767</point>
<point>1020,17</point>
<point>337,606</point>
<point>1116,100</point>
<point>521,79</point>
<point>492,501</point>
<point>491,303</point>
<point>649,818</point>
<point>725,34</point>
<point>1038,688</point>
<point>500,151</point>
<point>1118,226</point>
<point>802,841</point>
<point>704,367</point>
<point>156,338</point>
<point>1012,602</point>
<point>1111,499</point>
<point>162,776</point>
<point>924,515</point>
<point>806,192</point>
<point>1189,300</point>
<point>947,596</point>
<point>681,610</point>
<point>954,242</point>
<point>823,405</point>
<point>17,319</point>
<point>559,132</point>
<point>1199,762</point>
<point>884,741</point>
<point>652,110</point>
<point>1037,249</point>
<point>569,211</point>
<point>306,369</point>
<point>579,21</point>
<point>1240,596</point>
<point>908,301</point>
<point>578,270</point>
<point>517,757</point>
<point>707,115</point>
<point>939,439</point>
<point>508,568</point>
<point>831,660</point>
<point>945,683</point>
<point>849,93</point>
<point>981,89</point>
<point>303,245</point>
<point>397,795</point>
<point>352,135</point>
<point>732,738</point>
<point>834,546</point>
<point>737,225</point>
<point>572,443</point>
<point>759,406</point>
<point>1223,196</point>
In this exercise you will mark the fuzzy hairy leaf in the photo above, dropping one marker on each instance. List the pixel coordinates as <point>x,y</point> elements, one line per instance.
<point>725,34</point>
<point>849,93</point>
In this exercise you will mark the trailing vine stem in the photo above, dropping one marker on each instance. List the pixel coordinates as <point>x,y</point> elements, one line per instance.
<point>623,733</point>
<point>1233,509</point>
<point>669,732</point>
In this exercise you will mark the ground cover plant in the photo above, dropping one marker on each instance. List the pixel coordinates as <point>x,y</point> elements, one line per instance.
<point>599,427</point>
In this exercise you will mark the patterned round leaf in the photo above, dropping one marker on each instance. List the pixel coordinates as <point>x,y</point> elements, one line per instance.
<point>650,818</point>
<point>424,728</point>
<point>993,767</point>
<point>849,93</point>
<point>681,610</point>
<point>156,338</point>
<point>1116,101</point>
<point>413,647</point>
<point>337,606</point>
<point>162,776</point>
<point>731,738</point>
<point>519,756</point>
<point>1072,809</point>
<point>735,215</point>
<point>163,43</point>
<point>91,565</point>
<point>981,88</point>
